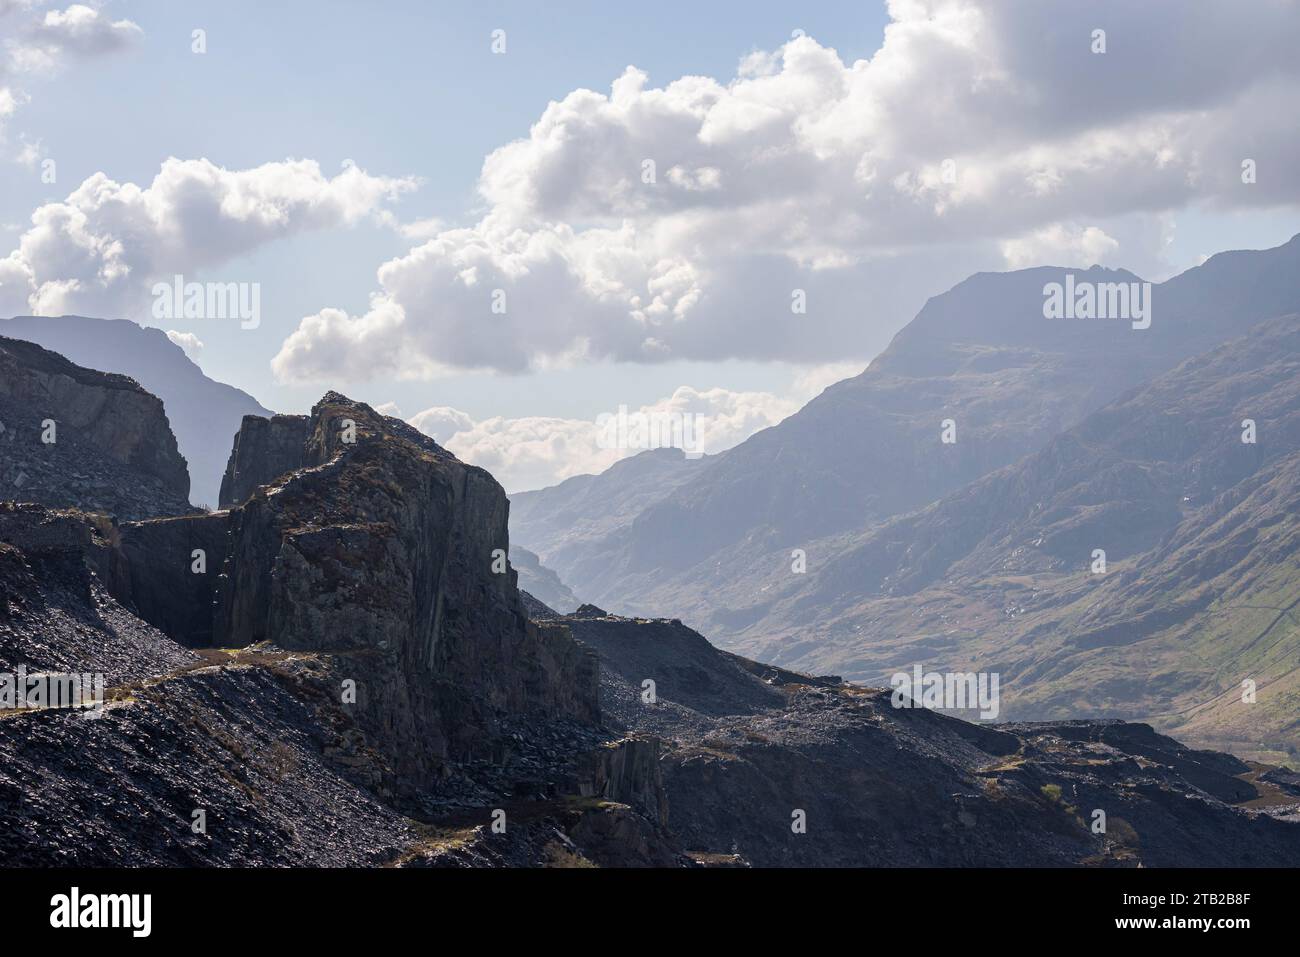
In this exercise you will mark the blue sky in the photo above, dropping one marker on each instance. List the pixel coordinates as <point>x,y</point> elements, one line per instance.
<point>406,89</point>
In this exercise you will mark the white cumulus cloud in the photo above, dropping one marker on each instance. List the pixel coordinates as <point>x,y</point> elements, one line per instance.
<point>1060,244</point>
<point>84,31</point>
<point>100,250</point>
<point>40,41</point>
<point>536,451</point>
<point>188,341</point>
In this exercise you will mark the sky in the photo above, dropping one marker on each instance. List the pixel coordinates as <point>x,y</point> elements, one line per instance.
<point>503,221</point>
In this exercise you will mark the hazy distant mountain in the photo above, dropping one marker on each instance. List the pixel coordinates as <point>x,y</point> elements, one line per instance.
<point>542,583</point>
<point>204,414</point>
<point>1201,533</point>
<point>567,523</point>
<point>870,448</point>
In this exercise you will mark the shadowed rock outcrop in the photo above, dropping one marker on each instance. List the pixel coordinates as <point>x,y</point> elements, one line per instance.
<point>285,769</point>
<point>387,552</point>
<point>264,450</point>
<point>78,438</point>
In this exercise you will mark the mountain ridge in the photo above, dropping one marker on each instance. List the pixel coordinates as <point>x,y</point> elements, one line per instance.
<point>869,448</point>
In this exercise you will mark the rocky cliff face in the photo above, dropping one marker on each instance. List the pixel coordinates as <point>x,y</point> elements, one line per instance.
<point>383,550</point>
<point>259,746</point>
<point>75,437</point>
<point>172,568</point>
<point>377,657</point>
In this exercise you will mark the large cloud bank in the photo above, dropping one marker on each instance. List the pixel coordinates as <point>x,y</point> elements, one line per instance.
<point>979,133</point>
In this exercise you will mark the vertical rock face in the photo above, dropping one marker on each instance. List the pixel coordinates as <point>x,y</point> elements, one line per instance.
<point>627,772</point>
<point>387,553</point>
<point>76,437</point>
<point>264,450</point>
<point>172,569</point>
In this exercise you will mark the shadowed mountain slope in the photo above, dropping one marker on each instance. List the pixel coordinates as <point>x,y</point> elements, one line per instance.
<point>573,521</point>
<point>1202,549</point>
<point>542,583</point>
